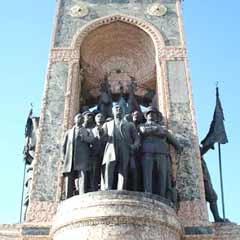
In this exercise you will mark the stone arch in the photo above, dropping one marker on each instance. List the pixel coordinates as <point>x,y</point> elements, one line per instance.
<point>154,33</point>
<point>72,104</point>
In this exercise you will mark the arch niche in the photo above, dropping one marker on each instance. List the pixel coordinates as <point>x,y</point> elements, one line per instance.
<point>119,47</point>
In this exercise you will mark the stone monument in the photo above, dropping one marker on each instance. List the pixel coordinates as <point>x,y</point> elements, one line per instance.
<point>97,45</point>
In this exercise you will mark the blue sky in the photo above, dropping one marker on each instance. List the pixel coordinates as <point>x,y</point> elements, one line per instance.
<point>212,37</point>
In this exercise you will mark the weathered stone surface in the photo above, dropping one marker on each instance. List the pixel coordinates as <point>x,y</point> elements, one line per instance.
<point>68,25</point>
<point>189,180</point>
<point>219,232</point>
<point>42,203</point>
<point>115,215</point>
<point>10,232</point>
<point>187,171</point>
<point>24,232</point>
<point>48,154</point>
<point>177,82</point>
<point>212,232</point>
<point>41,211</point>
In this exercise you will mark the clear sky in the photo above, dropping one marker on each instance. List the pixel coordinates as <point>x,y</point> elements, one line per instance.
<point>212,36</point>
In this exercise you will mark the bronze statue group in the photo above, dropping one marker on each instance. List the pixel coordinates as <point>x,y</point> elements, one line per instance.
<point>119,148</point>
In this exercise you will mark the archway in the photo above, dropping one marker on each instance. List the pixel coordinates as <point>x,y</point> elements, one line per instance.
<point>120,52</point>
<point>122,48</point>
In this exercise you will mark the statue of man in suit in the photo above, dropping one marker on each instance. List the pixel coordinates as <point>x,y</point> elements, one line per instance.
<point>155,152</point>
<point>76,151</point>
<point>121,142</point>
<point>98,149</point>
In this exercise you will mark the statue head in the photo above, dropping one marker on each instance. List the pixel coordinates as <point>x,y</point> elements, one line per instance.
<point>99,119</point>
<point>78,119</point>
<point>151,114</point>
<point>88,118</point>
<point>136,117</point>
<point>117,111</point>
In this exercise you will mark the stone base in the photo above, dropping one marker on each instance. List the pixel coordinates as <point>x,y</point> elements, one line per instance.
<point>216,232</point>
<point>115,215</point>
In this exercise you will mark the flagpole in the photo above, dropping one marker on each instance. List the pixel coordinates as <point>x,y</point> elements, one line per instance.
<point>23,183</point>
<point>221,178</point>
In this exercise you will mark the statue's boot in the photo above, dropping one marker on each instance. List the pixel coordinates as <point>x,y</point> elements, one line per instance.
<point>214,210</point>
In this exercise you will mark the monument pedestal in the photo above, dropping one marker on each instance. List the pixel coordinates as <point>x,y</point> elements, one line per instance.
<point>115,215</point>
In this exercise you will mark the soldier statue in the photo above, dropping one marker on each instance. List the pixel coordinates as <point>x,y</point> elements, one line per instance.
<point>121,142</point>
<point>210,194</point>
<point>155,152</point>
<point>76,151</point>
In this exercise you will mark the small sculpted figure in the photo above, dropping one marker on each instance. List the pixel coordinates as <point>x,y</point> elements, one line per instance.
<point>132,102</point>
<point>122,141</point>
<point>105,101</point>
<point>155,153</point>
<point>122,102</point>
<point>76,152</point>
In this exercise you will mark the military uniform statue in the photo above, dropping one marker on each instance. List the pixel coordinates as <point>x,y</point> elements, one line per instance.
<point>155,153</point>
<point>210,194</point>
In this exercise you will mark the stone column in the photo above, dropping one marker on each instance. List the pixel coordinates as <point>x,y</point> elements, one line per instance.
<point>47,185</point>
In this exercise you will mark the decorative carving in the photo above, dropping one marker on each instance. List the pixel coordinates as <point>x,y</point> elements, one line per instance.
<point>79,10</point>
<point>145,26</point>
<point>64,55</point>
<point>157,10</point>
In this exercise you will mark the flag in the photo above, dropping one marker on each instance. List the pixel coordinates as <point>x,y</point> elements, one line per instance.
<point>217,133</point>
<point>29,125</point>
<point>28,133</point>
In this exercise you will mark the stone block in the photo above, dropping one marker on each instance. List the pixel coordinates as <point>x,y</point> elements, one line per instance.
<point>115,215</point>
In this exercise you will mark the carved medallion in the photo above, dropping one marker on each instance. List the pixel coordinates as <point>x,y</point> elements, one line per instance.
<point>157,10</point>
<point>79,10</point>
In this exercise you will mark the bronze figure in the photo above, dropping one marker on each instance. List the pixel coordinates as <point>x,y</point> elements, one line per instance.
<point>76,151</point>
<point>121,142</point>
<point>155,150</point>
